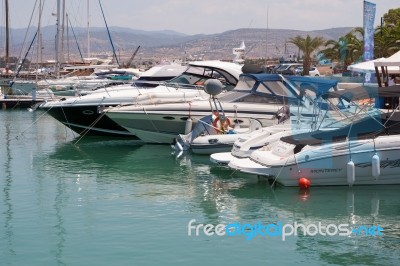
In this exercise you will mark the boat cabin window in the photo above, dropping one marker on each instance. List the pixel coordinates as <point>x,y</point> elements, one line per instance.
<point>257,98</point>
<point>276,87</point>
<point>306,89</point>
<point>262,91</point>
<point>245,84</point>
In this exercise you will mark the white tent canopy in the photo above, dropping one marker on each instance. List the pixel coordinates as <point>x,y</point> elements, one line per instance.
<point>365,67</point>
<point>392,62</point>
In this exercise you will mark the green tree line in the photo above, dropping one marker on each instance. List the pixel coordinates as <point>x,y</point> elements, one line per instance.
<point>348,49</point>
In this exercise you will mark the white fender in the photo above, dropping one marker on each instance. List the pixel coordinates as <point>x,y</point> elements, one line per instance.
<point>351,175</point>
<point>376,166</point>
<point>188,125</point>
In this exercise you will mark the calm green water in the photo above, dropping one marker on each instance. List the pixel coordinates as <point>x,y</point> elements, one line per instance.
<point>113,202</point>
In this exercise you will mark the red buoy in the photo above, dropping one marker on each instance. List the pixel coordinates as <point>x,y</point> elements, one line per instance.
<point>304,183</point>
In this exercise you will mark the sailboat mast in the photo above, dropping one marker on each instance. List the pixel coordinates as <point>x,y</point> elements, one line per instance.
<point>7,39</point>
<point>88,30</point>
<point>39,42</point>
<point>109,35</point>
<point>62,59</point>
<point>58,40</point>
<point>67,20</point>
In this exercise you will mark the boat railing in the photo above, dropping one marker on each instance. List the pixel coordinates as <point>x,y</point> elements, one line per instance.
<point>184,86</point>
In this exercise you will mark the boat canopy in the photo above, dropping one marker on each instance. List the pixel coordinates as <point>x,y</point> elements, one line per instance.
<point>289,89</point>
<point>320,85</point>
<point>367,127</point>
<point>364,92</point>
<point>274,77</point>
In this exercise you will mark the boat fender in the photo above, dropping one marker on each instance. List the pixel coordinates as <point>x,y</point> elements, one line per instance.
<point>188,125</point>
<point>376,166</point>
<point>351,173</point>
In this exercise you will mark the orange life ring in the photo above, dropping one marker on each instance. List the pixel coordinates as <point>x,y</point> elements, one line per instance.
<point>223,124</point>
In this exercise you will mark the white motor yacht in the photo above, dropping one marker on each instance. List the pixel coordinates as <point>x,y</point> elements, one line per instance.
<point>364,152</point>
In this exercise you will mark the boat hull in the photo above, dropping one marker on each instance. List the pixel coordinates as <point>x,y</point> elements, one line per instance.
<point>86,120</point>
<point>246,165</point>
<point>211,148</point>
<point>333,172</point>
<point>161,124</point>
<point>326,165</point>
<point>222,158</point>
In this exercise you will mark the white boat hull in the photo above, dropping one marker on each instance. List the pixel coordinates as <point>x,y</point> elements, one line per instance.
<point>221,158</point>
<point>327,165</point>
<point>246,165</point>
<point>163,123</point>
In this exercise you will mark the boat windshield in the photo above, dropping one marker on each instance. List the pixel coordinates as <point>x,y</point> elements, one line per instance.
<point>245,84</point>
<point>196,76</point>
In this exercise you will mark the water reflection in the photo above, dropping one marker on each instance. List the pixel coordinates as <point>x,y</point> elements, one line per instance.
<point>95,149</point>
<point>121,160</point>
<point>7,186</point>
<point>356,206</point>
<point>363,204</point>
<point>59,227</point>
<point>250,202</point>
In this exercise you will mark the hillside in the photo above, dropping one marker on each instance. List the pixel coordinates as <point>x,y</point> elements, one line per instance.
<point>260,43</point>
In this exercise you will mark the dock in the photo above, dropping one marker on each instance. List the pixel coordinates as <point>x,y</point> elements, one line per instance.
<point>12,102</point>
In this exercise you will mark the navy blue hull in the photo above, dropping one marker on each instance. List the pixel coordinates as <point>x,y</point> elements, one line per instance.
<point>86,120</point>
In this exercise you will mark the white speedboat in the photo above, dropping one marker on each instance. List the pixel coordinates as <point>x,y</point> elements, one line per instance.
<point>248,143</point>
<point>256,97</point>
<point>365,152</point>
<point>338,117</point>
<point>83,114</point>
<point>205,139</point>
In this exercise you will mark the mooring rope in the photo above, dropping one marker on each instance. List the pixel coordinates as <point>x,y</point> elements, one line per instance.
<point>280,171</point>
<point>90,127</point>
<point>66,119</point>
<point>34,122</point>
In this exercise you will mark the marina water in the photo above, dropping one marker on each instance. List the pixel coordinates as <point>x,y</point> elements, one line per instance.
<point>66,200</point>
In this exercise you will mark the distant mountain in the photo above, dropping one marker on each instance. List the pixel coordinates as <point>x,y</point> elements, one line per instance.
<point>171,44</point>
<point>140,32</point>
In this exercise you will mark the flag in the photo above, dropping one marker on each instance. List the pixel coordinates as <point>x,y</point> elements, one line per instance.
<point>369,19</point>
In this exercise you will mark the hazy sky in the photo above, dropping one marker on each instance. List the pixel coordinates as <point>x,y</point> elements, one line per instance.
<point>204,16</point>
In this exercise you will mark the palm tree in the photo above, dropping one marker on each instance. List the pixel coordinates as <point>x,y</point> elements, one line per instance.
<point>355,45</point>
<point>348,49</point>
<point>387,40</point>
<point>307,45</point>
